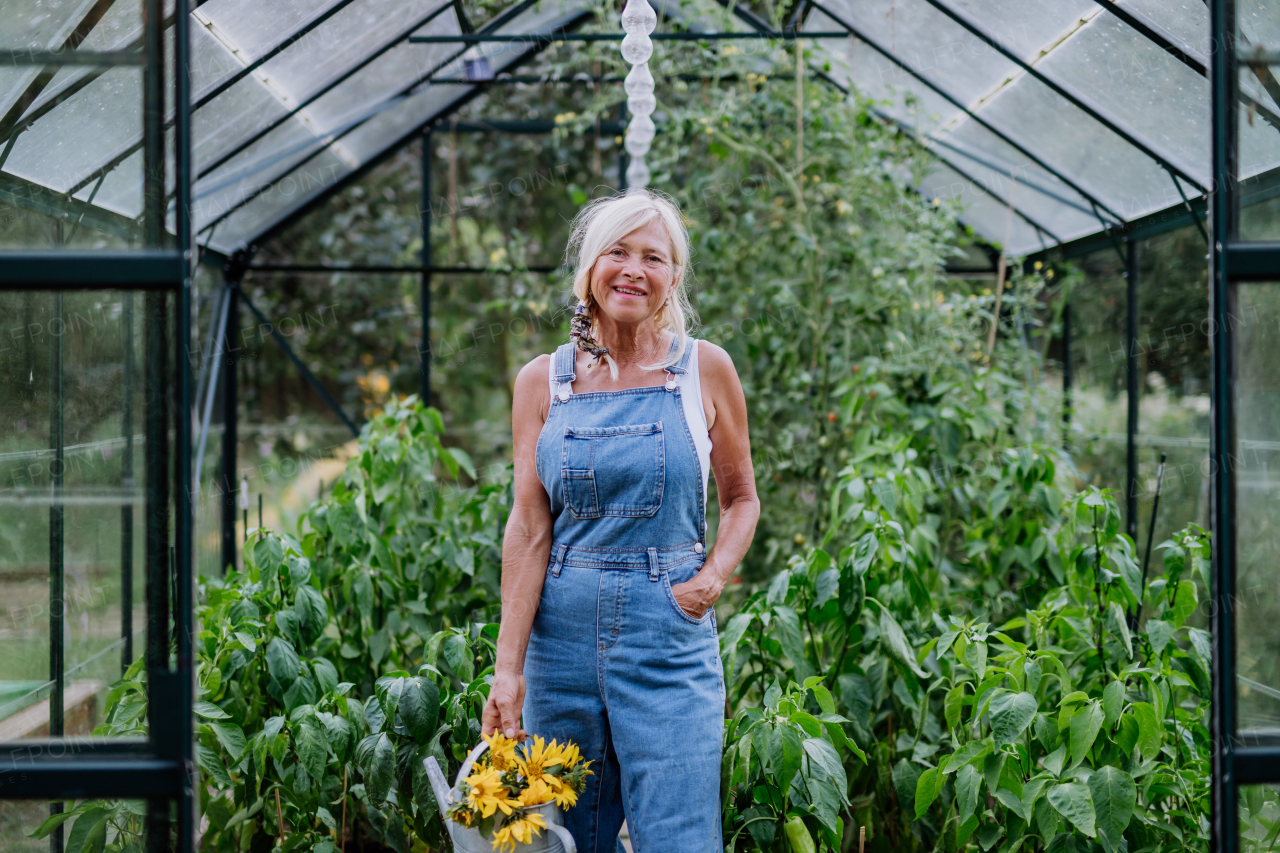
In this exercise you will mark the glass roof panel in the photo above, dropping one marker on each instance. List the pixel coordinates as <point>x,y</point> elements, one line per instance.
<point>929,42</point>
<point>1259,23</point>
<point>317,176</point>
<point>1026,27</point>
<point>988,217</point>
<point>1128,75</point>
<point>254,27</point>
<point>82,133</point>
<point>361,134</point>
<point>1102,163</point>
<point>1185,21</point>
<point>351,35</point>
<point>388,75</point>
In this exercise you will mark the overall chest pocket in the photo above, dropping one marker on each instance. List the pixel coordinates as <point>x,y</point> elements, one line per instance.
<point>614,471</point>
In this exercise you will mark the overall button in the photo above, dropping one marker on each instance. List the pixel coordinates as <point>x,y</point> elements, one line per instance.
<point>697,549</point>
<point>564,395</point>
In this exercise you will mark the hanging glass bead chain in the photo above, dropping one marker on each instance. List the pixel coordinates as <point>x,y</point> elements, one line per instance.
<point>638,20</point>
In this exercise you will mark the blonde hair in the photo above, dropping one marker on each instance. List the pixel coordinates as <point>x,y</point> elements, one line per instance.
<point>598,226</point>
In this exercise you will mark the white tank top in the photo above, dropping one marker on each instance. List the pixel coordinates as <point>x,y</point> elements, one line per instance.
<point>690,385</point>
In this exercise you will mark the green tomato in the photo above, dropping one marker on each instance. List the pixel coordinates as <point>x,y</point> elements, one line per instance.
<point>799,838</point>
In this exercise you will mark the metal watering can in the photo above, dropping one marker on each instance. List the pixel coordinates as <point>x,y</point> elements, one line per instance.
<point>554,839</point>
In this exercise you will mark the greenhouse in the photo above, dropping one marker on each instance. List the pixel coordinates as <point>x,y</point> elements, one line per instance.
<point>296,299</point>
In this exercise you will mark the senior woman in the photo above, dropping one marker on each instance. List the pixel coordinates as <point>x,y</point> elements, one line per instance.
<point>608,635</point>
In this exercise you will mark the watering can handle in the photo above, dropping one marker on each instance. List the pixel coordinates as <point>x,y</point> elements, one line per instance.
<point>565,838</point>
<point>474,754</point>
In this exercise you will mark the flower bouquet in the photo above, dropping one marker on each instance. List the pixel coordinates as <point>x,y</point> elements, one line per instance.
<point>512,796</point>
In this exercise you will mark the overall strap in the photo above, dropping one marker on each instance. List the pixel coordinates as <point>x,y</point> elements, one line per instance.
<point>682,365</point>
<point>562,371</point>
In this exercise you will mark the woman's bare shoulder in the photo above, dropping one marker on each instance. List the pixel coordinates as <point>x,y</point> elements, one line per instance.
<point>714,364</point>
<point>532,392</point>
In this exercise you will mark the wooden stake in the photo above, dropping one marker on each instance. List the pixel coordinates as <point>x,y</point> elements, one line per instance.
<point>342,837</point>
<point>862,839</point>
<point>279,817</point>
<point>1001,266</point>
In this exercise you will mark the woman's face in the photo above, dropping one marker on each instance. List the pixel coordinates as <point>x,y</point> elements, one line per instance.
<point>635,275</point>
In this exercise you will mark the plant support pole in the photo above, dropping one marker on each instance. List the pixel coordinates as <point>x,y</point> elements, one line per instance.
<point>424,347</point>
<point>1151,535</point>
<point>1131,351</point>
<point>57,545</point>
<point>1066,376</point>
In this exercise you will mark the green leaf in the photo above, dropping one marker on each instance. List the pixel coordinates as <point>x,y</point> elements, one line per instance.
<point>1150,730</point>
<point>326,675</point>
<point>1127,735</point>
<point>1011,713</point>
<point>1072,801</point>
<point>379,769</point>
<point>975,655</point>
<point>463,460</point>
<point>1159,634</point>
<point>905,777</point>
<point>282,661</point>
<point>826,587</point>
<point>823,755</point>
<point>968,786</point>
<point>1085,726</point>
<point>778,588</point>
<point>312,749</point>
<point>1118,624</point>
<point>1184,603</point>
<point>210,711</point>
<point>927,788</point>
<point>420,707</point>
<point>953,706</point>
<point>210,763</point>
<point>787,632</point>
<point>89,834</point>
<point>1114,796</point>
<point>230,736</point>
<point>864,552</point>
<point>1112,703</point>
<point>52,822</point>
<point>895,643</point>
<point>388,689</point>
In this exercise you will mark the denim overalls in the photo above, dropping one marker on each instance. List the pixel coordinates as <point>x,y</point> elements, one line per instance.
<point>613,663</point>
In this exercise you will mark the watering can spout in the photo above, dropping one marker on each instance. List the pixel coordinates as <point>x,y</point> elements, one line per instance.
<point>439,787</point>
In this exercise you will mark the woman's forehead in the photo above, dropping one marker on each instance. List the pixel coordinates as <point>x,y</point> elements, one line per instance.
<point>649,236</point>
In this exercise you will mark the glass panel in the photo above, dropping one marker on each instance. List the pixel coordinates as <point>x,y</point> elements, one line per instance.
<point>1258,123</point>
<point>1099,398</point>
<point>73,522</point>
<point>1127,75</point>
<point>930,43</point>
<point>1173,405</point>
<point>1025,27</point>
<point>988,216</point>
<point>20,818</point>
<point>1078,146</point>
<point>1256,451</point>
<point>1186,22</point>
<point>1259,818</point>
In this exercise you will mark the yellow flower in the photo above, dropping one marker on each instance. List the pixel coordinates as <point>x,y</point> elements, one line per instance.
<point>570,755</point>
<point>502,750</point>
<point>487,793</point>
<point>537,758</point>
<point>566,797</point>
<point>518,830</point>
<point>538,792</point>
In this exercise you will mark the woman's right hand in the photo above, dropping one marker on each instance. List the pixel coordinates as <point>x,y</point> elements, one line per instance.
<point>502,711</point>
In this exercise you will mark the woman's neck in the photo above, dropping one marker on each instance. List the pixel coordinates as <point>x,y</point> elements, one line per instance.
<point>638,344</point>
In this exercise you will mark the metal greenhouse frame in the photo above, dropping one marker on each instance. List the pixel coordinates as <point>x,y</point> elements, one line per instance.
<point>1072,126</point>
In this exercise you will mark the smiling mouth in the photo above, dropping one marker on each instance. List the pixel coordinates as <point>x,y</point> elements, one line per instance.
<point>630,291</point>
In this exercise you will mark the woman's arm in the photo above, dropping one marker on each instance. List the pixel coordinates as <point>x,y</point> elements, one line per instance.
<point>735,480</point>
<point>526,547</point>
